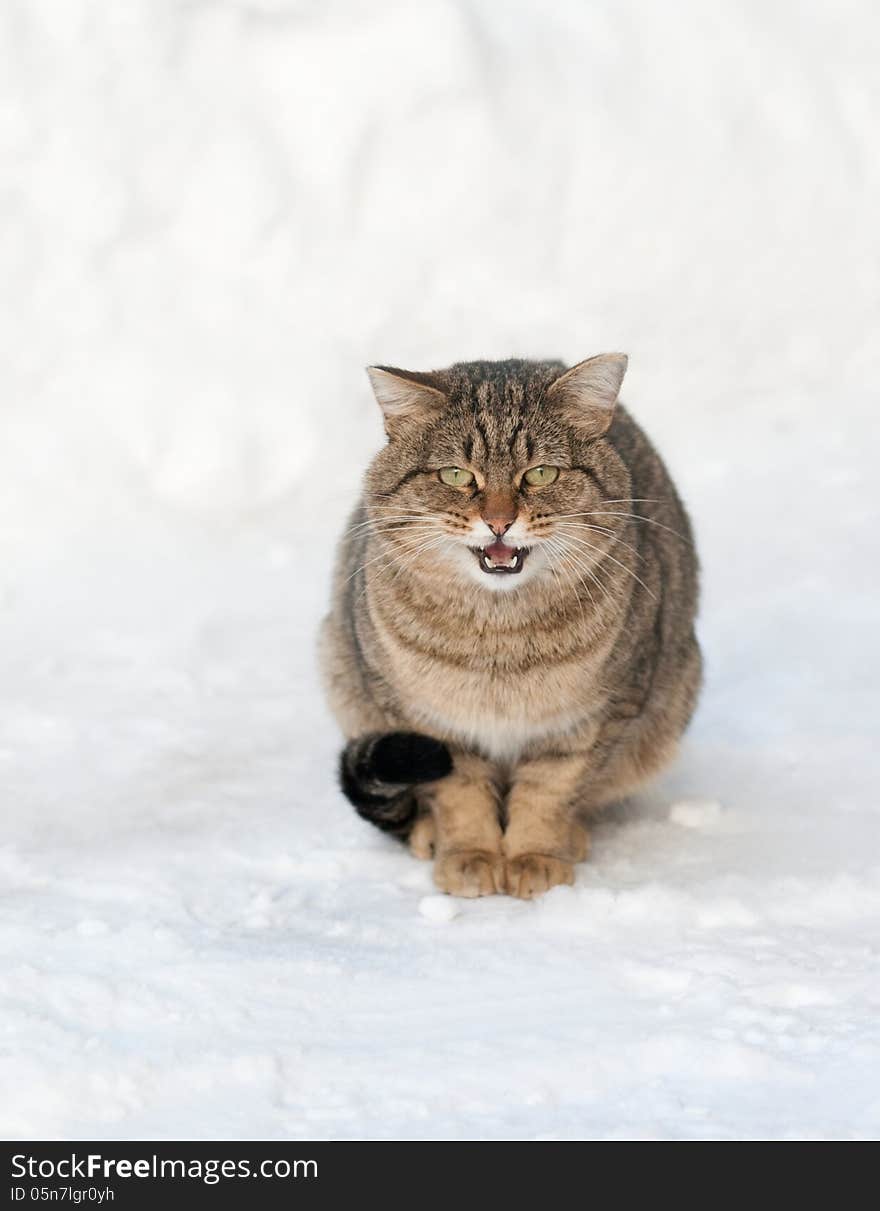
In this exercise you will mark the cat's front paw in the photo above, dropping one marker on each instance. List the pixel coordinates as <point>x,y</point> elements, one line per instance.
<point>531,875</point>
<point>469,873</point>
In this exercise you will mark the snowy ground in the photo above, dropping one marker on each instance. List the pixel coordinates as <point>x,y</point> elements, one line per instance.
<point>214,216</point>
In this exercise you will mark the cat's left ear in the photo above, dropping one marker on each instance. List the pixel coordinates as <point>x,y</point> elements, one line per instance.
<point>587,392</point>
<point>405,396</point>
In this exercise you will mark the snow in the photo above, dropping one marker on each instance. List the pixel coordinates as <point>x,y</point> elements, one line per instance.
<point>440,909</point>
<point>695,813</point>
<point>214,216</point>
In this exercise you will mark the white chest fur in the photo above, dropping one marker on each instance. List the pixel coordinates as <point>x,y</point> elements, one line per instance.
<point>499,715</point>
<point>501,739</point>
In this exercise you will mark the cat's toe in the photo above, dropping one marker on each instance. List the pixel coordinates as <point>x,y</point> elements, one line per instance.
<point>531,875</point>
<point>423,838</point>
<point>469,873</point>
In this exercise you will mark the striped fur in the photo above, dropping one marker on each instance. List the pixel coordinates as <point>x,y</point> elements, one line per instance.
<point>556,690</point>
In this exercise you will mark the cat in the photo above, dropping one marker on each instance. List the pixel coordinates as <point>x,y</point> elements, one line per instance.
<point>511,641</point>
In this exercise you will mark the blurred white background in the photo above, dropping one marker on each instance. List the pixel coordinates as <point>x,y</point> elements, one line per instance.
<point>214,215</point>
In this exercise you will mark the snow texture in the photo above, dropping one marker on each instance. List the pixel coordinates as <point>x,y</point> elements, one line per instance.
<point>214,215</point>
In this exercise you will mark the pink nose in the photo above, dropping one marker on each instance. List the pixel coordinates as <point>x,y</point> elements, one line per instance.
<point>498,511</point>
<point>498,525</point>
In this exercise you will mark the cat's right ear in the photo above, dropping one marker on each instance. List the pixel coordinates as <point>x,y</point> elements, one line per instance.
<point>405,396</point>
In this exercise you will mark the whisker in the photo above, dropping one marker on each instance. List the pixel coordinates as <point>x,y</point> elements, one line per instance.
<point>397,557</point>
<point>390,520</point>
<point>591,570</point>
<point>633,516</point>
<point>572,525</point>
<point>420,551</point>
<point>382,521</point>
<point>413,541</point>
<point>607,555</point>
<point>649,520</point>
<point>557,550</point>
<point>623,500</point>
<point>570,561</point>
<point>636,500</point>
<point>558,581</point>
<point>397,517</point>
<point>402,528</point>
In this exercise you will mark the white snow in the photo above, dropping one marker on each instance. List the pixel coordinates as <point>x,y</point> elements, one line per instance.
<point>214,216</point>
<point>696,813</point>
<point>439,909</point>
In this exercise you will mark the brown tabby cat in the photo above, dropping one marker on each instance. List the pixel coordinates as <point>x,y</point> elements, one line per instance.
<point>511,643</point>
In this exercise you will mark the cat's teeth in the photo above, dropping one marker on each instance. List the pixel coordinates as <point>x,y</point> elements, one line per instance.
<point>511,563</point>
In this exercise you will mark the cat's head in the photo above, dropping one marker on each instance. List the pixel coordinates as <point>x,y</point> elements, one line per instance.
<point>496,470</point>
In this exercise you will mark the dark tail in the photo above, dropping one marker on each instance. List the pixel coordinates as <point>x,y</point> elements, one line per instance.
<point>378,773</point>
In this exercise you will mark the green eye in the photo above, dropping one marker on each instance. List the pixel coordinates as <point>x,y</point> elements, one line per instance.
<point>456,477</point>
<point>540,477</point>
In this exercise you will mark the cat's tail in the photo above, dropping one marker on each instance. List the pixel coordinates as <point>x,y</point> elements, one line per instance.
<point>378,774</point>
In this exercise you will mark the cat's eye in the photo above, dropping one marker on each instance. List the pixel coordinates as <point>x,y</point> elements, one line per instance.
<point>540,477</point>
<point>456,477</point>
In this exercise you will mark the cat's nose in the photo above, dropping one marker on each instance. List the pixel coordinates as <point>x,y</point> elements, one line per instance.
<point>498,525</point>
<point>498,511</point>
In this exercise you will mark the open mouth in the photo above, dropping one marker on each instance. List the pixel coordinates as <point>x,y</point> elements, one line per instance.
<point>499,557</point>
